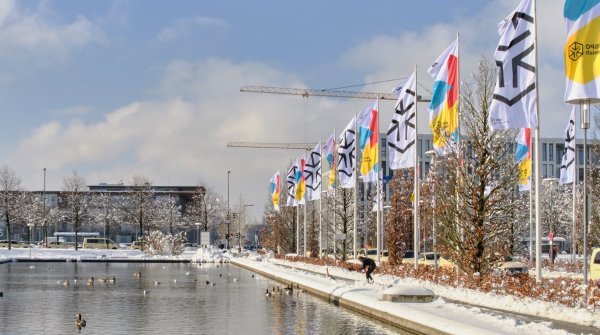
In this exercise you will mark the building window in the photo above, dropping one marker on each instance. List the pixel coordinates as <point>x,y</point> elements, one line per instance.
<point>544,170</point>
<point>551,151</point>
<point>544,154</point>
<point>580,155</point>
<point>560,149</point>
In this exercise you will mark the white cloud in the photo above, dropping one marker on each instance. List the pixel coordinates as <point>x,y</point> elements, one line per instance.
<point>395,55</point>
<point>38,33</point>
<point>180,137</point>
<point>186,26</point>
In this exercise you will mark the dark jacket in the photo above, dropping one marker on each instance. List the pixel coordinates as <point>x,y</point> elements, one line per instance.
<point>367,262</point>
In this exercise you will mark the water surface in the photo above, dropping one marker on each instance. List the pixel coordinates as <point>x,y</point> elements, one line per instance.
<point>178,300</point>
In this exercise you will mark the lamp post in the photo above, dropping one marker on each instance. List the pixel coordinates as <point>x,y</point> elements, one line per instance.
<point>228,214</point>
<point>433,155</point>
<point>240,228</point>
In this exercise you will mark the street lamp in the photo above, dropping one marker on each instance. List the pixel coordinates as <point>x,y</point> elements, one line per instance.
<point>228,214</point>
<point>240,228</point>
<point>433,155</point>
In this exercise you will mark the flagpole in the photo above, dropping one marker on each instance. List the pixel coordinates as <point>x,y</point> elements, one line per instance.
<point>416,182</point>
<point>334,193</point>
<point>304,241</point>
<point>530,209</point>
<point>538,223</point>
<point>574,188</point>
<point>357,137</point>
<point>297,230</point>
<point>377,191</point>
<point>320,200</point>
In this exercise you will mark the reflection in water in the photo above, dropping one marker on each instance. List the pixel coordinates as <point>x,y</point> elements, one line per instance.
<point>166,299</point>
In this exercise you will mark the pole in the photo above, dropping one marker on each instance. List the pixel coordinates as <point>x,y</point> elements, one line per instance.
<point>416,184</point>
<point>298,230</point>
<point>574,210</point>
<point>355,229</point>
<point>538,223</point>
<point>44,211</point>
<point>320,201</point>
<point>585,124</point>
<point>377,193</point>
<point>304,238</point>
<point>228,214</point>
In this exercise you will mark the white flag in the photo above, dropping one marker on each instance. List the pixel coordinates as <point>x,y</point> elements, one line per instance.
<point>290,181</point>
<point>514,101</point>
<point>567,166</point>
<point>347,154</point>
<point>312,174</point>
<point>378,200</point>
<point>401,135</point>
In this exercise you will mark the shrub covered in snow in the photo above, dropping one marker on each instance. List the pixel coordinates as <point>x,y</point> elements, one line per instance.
<point>159,243</point>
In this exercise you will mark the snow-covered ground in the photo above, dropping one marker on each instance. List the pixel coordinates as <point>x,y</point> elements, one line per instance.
<point>442,312</point>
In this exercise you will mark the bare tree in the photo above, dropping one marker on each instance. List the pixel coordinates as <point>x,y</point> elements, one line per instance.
<point>140,207</point>
<point>475,196</point>
<point>345,214</point>
<point>10,195</point>
<point>107,212</point>
<point>399,226</point>
<point>205,208</point>
<point>168,214</point>
<point>75,201</point>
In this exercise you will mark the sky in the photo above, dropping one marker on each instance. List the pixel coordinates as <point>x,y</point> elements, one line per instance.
<point>114,89</point>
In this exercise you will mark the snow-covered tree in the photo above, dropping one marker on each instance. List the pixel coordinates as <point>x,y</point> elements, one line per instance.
<point>475,190</point>
<point>75,202</point>
<point>107,212</point>
<point>140,204</point>
<point>10,198</point>
<point>168,214</point>
<point>205,208</point>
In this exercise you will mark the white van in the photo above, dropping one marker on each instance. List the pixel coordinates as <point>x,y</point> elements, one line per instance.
<point>99,243</point>
<point>595,264</point>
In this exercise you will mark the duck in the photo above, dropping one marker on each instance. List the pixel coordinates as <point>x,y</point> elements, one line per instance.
<point>146,292</point>
<point>174,281</point>
<point>212,284</point>
<point>137,274</point>
<point>187,273</point>
<point>66,283</point>
<point>156,283</point>
<point>253,275</point>
<point>101,279</point>
<point>1,294</point>
<point>112,280</point>
<point>79,322</point>
<point>90,281</point>
<point>267,293</point>
<point>235,279</point>
<point>207,282</point>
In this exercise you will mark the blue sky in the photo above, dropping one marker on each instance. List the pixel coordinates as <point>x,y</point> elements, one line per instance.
<point>112,89</point>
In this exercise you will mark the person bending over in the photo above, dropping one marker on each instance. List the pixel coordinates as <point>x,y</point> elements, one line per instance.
<point>368,264</point>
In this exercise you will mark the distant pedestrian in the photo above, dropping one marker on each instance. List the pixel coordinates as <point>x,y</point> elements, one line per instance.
<point>554,252</point>
<point>368,264</point>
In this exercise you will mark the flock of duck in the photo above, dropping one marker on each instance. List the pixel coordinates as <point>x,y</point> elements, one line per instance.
<point>90,281</point>
<point>289,290</point>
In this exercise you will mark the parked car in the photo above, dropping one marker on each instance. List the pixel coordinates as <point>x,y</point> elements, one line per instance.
<point>595,264</point>
<point>13,244</point>
<point>59,245</point>
<point>372,253</point>
<point>136,245</point>
<point>99,243</point>
<point>429,258</point>
<point>513,266</point>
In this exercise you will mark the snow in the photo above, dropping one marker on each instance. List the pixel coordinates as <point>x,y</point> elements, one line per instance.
<point>443,313</point>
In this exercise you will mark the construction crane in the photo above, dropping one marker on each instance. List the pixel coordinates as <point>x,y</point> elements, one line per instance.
<point>306,92</point>
<point>262,145</point>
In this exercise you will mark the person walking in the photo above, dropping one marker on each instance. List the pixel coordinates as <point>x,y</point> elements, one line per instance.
<point>368,264</point>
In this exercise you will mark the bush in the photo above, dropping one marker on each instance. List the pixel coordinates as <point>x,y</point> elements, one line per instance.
<point>164,244</point>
